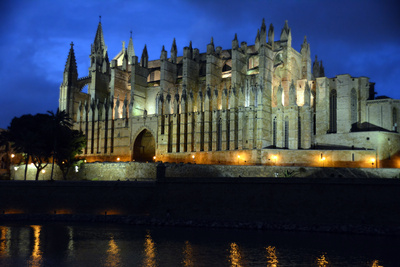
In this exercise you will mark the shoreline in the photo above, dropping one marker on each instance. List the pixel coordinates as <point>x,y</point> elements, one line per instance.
<point>357,229</point>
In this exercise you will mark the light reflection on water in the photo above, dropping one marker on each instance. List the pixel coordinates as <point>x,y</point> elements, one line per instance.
<point>116,245</point>
<point>149,252</point>
<point>36,257</point>
<point>272,259</point>
<point>188,260</point>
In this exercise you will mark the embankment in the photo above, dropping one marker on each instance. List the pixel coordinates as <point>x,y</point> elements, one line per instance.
<point>332,204</point>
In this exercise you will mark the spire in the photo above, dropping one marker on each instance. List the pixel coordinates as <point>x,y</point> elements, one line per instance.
<point>71,70</point>
<point>131,50</point>
<point>99,43</point>
<point>70,66</point>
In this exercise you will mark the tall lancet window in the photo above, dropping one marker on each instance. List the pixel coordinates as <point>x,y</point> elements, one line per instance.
<point>333,111</point>
<point>286,132</point>
<point>219,135</point>
<point>394,118</point>
<point>299,133</point>
<point>353,106</point>
<point>274,133</point>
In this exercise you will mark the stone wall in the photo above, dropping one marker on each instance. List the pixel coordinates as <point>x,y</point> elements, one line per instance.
<point>113,171</point>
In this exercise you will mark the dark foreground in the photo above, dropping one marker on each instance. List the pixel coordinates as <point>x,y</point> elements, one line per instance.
<point>302,204</point>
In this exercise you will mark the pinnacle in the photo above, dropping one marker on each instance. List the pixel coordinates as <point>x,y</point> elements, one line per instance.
<point>263,27</point>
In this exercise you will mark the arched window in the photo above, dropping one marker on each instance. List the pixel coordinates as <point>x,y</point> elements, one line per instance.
<point>333,111</point>
<point>274,133</point>
<point>394,118</point>
<point>286,132</point>
<point>353,106</point>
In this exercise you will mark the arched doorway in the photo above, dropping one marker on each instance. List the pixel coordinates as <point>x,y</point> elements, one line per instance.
<point>144,148</point>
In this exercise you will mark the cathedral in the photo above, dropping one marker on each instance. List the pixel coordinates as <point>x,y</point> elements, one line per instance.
<point>252,104</point>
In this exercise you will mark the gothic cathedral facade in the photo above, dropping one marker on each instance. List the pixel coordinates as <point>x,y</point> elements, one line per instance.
<point>265,103</point>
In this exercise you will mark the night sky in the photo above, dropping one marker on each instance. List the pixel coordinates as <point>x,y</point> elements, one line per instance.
<point>361,38</point>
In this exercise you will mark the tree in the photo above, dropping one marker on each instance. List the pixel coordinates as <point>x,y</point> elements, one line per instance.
<point>42,136</point>
<point>73,142</point>
<point>29,134</point>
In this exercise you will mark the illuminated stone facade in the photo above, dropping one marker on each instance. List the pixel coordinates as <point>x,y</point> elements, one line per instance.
<point>252,104</point>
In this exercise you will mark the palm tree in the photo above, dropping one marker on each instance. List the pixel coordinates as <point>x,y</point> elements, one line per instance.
<point>60,121</point>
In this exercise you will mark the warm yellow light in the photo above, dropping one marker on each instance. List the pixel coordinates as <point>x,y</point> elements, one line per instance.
<point>154,158</point>
<point>238,157</point>
<point>274,157</point>
<point>12,155</point>
<point>117,159</point>
<point>43,171</point>
<point>323,158</point>
<point>193,157</point>
<point>372,160</point>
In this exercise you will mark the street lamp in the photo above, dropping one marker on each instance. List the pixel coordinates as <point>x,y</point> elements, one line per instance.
<point>238,159</point>
<point>154,158</point>
<point>372,162</point>
<point>193,158</point>
<point>275,158</point>
<point>323,161</point>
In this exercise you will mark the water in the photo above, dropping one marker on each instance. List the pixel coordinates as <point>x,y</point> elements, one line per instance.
<point>122,245</point>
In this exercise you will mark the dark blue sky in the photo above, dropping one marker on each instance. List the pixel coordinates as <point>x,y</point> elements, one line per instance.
<point>361,38</point>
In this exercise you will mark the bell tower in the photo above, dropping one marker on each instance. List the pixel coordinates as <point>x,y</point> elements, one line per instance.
<point>99,69</point>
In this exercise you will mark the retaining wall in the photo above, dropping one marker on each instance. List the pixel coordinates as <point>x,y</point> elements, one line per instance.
<point>113,171</point>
